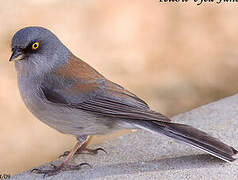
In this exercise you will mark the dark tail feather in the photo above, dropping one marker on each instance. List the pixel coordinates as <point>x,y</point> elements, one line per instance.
<point>193,137</point>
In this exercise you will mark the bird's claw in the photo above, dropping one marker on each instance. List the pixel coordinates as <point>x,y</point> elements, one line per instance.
<point>94,151</point>
<point>58,169</point>
<point>80,151</point>
<point>66,153</point>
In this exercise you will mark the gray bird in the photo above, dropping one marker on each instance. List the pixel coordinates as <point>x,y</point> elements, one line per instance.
<point>70,96</point>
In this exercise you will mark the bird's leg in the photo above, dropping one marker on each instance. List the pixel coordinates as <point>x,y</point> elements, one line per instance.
<point>65,166</point>
<point>90,151</point>
<point>84,148</point>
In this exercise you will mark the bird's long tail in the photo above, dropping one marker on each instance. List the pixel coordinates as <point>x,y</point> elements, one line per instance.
<point>193,137</point>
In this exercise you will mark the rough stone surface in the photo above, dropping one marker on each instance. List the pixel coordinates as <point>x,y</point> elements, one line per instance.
<point>143,155</point>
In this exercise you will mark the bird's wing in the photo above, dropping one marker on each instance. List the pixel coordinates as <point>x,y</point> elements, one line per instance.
<point>103,98</point>
<point>88,90</point>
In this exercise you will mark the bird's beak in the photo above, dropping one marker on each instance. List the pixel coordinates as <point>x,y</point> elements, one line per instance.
<point>16,55</point>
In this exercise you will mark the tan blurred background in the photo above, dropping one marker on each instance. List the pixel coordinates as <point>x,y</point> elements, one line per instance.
<point>174,57</point>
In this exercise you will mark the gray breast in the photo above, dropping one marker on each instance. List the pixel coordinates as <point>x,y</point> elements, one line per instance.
<point>64,119</point>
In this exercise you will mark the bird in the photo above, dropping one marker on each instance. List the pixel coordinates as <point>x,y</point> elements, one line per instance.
<point>69,95</point>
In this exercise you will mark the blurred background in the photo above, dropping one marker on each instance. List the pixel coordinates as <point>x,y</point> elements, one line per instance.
<point>175,57</point>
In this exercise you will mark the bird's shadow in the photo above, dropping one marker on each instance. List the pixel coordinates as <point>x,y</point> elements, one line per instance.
<point>176,163</point>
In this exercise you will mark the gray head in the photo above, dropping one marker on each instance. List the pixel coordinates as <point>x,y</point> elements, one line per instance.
<point>37,50</point>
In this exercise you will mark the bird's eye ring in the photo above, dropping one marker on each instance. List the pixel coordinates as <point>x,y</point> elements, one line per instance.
<point>35,45</point>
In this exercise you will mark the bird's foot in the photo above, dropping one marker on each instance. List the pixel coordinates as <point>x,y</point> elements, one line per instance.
<point>94,151</point>
<point>58,169</point>
<point>82,151</point>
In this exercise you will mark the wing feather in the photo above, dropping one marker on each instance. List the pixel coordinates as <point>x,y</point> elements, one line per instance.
<point>117,103</point>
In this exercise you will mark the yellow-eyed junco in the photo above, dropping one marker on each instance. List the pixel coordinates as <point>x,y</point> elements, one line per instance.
<point>69,95</point>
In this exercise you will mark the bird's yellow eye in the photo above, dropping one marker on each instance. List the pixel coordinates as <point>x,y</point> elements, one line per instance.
<point>35,45</point>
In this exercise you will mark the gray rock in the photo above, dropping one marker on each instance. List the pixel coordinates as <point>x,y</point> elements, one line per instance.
<point>143,155</point>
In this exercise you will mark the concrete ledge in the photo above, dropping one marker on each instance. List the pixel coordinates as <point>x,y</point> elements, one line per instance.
<point>142,155</point>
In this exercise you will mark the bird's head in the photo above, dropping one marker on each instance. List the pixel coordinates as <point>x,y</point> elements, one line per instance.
<point>37,50</point>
